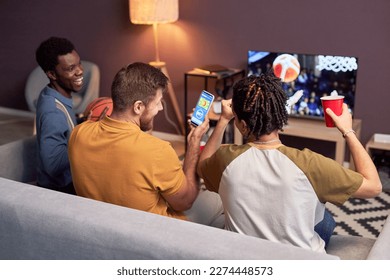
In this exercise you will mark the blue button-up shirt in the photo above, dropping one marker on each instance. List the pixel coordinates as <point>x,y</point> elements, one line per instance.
<point>53,132</point>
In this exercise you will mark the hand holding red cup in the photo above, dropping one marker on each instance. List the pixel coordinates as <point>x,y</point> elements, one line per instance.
<point>335,103</point>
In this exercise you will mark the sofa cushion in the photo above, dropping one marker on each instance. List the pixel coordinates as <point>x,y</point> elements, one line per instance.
<point>350,247</point>
<point>19,160</point>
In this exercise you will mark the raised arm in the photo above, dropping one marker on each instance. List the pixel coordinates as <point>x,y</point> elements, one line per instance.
<point>216,137</point>
<point>183,199</point>
<point>371,185</point>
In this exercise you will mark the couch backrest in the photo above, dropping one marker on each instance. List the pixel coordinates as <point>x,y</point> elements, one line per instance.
<point>18,160</point>
<point>37,223</point>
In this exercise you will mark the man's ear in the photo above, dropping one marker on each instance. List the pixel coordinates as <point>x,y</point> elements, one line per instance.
<point>138,107</point>
<point>244,127</point>
<point>51,75</point>
<point>243,123</point>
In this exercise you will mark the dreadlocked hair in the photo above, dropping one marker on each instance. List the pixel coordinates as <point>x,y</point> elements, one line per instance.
<point>261,103</point>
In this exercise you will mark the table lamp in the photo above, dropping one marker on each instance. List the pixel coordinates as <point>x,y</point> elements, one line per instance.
<point>154,12</point>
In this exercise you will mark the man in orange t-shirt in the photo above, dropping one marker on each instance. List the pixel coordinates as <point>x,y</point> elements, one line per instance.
<point>115,160</point>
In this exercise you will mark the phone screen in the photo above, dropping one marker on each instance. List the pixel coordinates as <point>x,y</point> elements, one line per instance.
<point>202,107</point>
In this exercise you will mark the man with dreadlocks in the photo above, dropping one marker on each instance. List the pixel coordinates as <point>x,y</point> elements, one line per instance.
<point>273,191</point>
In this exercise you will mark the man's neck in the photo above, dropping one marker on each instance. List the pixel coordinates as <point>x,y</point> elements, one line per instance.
<point>124,117</point>
<point>60,90</point>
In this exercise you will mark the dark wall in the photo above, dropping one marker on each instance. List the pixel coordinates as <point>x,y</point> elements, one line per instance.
<point>218,31</point>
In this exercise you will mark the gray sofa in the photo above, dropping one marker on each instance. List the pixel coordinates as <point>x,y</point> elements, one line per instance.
<point>18,160</point>
<point>37,223</point>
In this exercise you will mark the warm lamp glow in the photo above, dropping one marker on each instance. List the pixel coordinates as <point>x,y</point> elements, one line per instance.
<point>153,11</point>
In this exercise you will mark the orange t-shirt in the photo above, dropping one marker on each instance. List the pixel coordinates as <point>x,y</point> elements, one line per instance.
<point>116,162</point>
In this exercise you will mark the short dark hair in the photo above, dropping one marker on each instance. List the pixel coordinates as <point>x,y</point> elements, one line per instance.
<point>261,103</point>
<point>48,51</point>
<point>136,82</point>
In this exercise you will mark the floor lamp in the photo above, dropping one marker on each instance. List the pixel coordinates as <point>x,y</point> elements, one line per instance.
<point>154,12</point>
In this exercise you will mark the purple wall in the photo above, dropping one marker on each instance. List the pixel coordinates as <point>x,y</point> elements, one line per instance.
<point>218,31</point>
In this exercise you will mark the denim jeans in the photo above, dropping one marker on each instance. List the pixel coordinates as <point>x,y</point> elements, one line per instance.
<point>326,227</point>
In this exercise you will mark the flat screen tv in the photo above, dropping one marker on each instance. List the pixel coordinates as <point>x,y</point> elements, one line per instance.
<point>316,75</point>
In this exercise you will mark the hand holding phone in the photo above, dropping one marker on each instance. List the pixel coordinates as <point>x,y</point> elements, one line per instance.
<point>202,108</point>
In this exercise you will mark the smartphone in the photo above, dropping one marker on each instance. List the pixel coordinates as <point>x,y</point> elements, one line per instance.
<point>202,108</point>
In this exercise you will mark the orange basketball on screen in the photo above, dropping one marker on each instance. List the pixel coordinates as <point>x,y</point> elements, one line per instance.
<point>286,67</point>
<point>97,106</point>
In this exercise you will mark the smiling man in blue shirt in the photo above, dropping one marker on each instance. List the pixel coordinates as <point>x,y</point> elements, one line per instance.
<point>55,117</point>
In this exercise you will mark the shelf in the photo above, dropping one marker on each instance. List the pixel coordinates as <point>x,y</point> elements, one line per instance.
<point>234,73</point>
<point>225,74</point>
<point>315,129</point>
<point>371,144</point>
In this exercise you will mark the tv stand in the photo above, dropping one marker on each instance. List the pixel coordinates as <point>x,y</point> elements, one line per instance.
<point>315,129</point>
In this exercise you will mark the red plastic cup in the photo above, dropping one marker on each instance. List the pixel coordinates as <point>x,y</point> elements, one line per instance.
<point>202,145</point>
<point>336,104</point>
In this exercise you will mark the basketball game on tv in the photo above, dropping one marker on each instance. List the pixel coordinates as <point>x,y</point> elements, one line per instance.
<point>311,75</point>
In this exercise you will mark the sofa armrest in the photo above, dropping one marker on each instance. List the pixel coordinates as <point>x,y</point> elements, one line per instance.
<point>381,248</point>
<point>19,160</point>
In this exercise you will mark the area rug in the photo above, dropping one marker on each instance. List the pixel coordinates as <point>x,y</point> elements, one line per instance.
<point>361,217</point>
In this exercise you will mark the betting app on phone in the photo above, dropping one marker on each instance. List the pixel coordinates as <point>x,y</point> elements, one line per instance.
<point>202,107</point>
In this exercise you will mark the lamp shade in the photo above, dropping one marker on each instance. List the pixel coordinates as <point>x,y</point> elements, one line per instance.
<point>153,11</point>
